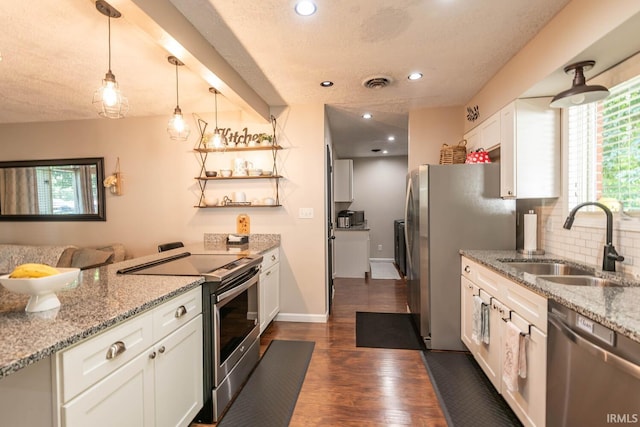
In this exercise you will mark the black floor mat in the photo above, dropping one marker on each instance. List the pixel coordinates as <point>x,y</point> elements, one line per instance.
<point>270,394</point>
<point>386,330</point>
<point>466,395</point>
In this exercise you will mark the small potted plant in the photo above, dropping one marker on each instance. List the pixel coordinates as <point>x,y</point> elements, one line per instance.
<point>266,139</point>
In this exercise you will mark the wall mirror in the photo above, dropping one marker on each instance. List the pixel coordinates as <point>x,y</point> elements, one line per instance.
<point>52,190</point>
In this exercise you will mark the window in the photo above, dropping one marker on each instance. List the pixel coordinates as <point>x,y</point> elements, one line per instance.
<point>604,149</point>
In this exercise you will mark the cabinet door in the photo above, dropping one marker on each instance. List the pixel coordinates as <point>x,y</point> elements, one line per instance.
<point>178,375</point>
<point>351,253</point>
<point>473,139</point>
<point>269,295</point>
<point>123,399</point>
<point>529,401</point>
<point>508,152</point>
<point>466,313</point>
<point>343,180</point>
<point>490,132</point>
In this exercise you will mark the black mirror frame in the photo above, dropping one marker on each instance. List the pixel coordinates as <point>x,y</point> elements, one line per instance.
<point>98,161</point>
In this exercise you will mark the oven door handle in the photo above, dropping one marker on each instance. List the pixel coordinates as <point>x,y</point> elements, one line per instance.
<point>606,356</point>
<point>238,289</point>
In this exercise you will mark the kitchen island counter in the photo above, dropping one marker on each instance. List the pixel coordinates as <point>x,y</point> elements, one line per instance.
<point>614,307</point>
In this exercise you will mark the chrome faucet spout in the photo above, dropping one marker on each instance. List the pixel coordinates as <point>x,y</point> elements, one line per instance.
<point>610,255</point>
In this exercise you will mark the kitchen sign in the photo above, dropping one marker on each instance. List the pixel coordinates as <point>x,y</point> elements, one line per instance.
<point>243,137</point>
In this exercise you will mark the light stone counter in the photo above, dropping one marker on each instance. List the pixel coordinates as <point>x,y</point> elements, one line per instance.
<point>615,307</point>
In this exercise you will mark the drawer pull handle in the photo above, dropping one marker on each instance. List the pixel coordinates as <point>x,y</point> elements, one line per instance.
<point>161,350</point>
<point>467,269</point>
<point>273,257</point>
<point>268,273</point>
<point>115,350</point>
<point>181,311</point>
<point>152,355</point>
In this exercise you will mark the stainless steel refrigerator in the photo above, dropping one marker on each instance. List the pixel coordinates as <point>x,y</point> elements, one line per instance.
<point>448,208</point>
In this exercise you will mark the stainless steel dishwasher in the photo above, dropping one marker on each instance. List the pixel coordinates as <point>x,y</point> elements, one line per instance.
<point>593,373</point>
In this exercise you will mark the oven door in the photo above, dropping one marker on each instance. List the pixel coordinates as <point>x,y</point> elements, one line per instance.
<point>235,325</point>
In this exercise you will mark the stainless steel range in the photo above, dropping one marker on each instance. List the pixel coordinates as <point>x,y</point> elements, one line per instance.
<point>230,320</point>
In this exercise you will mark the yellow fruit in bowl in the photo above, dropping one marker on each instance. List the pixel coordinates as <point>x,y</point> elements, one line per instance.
<point>32,271</point>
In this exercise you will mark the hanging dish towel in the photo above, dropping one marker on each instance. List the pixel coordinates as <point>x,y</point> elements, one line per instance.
<point>515,357</point>
<point>476,327</point>
<point>485,323</point>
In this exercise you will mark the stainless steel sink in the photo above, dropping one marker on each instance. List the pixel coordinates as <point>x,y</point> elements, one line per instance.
<point>582,281</point>
<point>550,268</point>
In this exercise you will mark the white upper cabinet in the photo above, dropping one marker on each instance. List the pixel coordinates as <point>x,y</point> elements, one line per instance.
<point>343,180</point>
<point>529,149</point>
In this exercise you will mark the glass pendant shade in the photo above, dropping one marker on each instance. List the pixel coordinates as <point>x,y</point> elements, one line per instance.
<point>108,100</point>
<point>177,128</point>
<point>218,140</point>
<point>580,93</point>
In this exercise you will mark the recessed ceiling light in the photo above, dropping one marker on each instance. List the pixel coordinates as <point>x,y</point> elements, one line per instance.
<point>391,138</point>
<point>385,152</point>
<point>367,116</point>
<point>415,76</point>
<point>326,83</point>
<point>305,8</point>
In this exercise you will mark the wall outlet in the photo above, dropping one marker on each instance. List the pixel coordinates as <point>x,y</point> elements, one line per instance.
<point>379,247</point>
<point>305,213</point>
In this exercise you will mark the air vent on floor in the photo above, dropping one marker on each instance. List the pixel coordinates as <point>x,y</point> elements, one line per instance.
<point>377,82</point>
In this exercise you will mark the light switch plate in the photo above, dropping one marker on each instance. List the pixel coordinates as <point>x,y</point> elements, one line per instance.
<point>305,213</point>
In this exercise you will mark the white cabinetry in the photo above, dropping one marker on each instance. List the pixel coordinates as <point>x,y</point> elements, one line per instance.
<point>508,302</point>
<point>343,180</point>
<point>146,371</point>
<point>486,135</point>
<point>530,149</point>
<point>351,253</point>
<point>269,287</point>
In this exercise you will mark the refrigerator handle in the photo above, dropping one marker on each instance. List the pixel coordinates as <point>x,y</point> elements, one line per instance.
<point>406,223</point>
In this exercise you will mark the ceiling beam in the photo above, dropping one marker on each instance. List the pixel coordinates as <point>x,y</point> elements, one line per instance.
<point>164,23</point>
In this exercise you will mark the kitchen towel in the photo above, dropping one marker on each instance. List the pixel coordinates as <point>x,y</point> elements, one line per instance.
<point>476,327</point>
<point>515,360</point>
<point>485,323</point>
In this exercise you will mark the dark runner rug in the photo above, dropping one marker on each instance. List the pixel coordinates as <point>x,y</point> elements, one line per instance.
<point>270,394</point>
<point>466,395</point>
<point>386,330</point>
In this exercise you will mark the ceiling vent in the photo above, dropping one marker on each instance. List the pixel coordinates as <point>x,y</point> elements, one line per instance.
<point>377,82</point>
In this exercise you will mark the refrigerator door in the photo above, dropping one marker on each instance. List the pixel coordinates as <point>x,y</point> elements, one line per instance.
<point>412,240</point>
<point>458,207</point>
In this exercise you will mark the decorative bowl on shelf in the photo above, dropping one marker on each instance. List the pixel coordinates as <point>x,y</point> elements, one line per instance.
<point>267,173</point>
<point>211,174</point>
<point>255,172</point>
<point>42,289</point>
<point>226,173</point>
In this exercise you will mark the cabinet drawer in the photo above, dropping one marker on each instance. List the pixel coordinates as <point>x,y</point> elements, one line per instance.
<point>90,361</point>
<point>531,306</point>
<point>468,269</point>
<point>176,312</point>
<point>269,258</point>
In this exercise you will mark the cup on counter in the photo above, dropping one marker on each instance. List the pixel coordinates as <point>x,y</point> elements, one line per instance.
<point>239,196</point>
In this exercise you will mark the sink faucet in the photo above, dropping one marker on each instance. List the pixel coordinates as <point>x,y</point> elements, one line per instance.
<point>610,255</point>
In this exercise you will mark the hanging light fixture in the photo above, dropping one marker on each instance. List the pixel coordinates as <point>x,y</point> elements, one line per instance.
<point>218,140</point>
<point>108,100</point>
<point>177,128</point>
<point>580,93</point>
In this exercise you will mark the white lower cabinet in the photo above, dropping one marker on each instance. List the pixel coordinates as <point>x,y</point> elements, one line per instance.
<point>352,251</point>
<point>269,285</point>
<point>527,310</point>
<point>158,385</point>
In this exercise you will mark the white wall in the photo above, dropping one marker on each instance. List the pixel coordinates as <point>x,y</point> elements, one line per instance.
<point>160,192</point>
<point>429,128</point>
<point>379,185</point>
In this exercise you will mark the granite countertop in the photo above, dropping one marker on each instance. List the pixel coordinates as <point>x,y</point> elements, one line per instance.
<point>100,298</point>
<point>614,307</point>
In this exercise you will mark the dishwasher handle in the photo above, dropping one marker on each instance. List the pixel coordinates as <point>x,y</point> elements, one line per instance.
<point>606,356</point>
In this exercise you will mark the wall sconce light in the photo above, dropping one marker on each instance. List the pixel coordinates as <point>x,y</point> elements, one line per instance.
<point>218,140</point>
<point>177,128</point>
<point>580,93</point>
<point>108,100</point>
<point>114,181</point>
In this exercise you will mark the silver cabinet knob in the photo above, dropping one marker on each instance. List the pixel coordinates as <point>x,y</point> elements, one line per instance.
<point>152,355</point>
<point>161,349</point>
<point>467,269</point>
<point>181,311</point>
<point>273,257</point>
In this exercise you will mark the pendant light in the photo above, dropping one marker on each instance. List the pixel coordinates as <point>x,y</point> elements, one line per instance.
<point>177,128</point>
<point>580,93</point>
<point>218,140</point>
<point>108,100</point>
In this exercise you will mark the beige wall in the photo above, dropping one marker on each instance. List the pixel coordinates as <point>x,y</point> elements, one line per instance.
<point>160,192</point>
<point>576,27</point>
<point>429,128</point>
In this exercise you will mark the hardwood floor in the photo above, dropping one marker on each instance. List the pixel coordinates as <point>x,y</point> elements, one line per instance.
<point>347,385</point>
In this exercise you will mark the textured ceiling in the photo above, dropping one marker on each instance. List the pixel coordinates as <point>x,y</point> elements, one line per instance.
<point>54,55</point>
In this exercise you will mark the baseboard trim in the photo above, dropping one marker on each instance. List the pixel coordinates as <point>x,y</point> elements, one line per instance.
<point>300,317</point>
<point>381,260</point>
